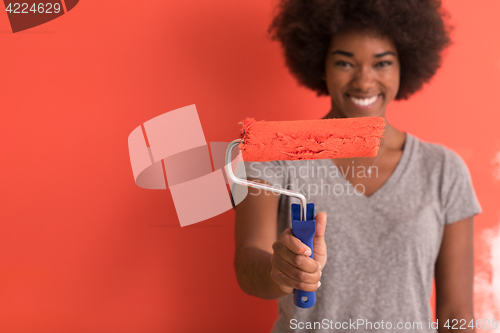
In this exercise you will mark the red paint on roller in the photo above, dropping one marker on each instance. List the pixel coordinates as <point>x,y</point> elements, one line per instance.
<point>311,139</point>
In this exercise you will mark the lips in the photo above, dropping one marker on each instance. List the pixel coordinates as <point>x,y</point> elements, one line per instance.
<point>360,102</point>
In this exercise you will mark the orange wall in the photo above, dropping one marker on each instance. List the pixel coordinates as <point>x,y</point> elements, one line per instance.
<point>83,249</point>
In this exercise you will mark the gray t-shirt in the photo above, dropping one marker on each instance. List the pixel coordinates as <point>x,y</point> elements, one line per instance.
<point>381,249</point>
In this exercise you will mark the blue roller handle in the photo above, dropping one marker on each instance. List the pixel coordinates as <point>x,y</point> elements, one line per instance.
<point>304,230</point>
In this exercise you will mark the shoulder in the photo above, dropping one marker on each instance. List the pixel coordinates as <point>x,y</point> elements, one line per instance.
<point>434,156</point>
<point>449,172</point>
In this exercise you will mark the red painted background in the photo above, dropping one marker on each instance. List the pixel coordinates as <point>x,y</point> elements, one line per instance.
<point>82,248</point>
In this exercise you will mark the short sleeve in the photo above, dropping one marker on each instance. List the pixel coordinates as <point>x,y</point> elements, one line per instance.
<point>458,196</point>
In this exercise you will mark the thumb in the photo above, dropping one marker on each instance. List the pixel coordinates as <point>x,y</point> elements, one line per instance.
<point>319,244</point>
<point>320,226</point>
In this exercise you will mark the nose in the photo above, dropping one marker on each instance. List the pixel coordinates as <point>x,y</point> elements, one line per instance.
<point>364,79</point>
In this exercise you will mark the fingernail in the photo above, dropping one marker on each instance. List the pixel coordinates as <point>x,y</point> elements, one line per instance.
<point>308,252</point>
<point>319,267</point>
<point>319,284</point>
<point>320,273</point>
<point>302,249</point>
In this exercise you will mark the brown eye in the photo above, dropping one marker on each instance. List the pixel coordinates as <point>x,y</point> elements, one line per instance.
<point>342,63</point>
<point>388,63</point>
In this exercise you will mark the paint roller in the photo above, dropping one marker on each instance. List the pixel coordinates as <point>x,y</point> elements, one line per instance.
<point>263,141</point>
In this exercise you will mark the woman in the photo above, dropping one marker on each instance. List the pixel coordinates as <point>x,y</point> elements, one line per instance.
<point>390,230</point>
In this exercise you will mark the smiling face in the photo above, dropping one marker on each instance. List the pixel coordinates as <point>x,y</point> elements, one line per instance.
<point>361,74</point>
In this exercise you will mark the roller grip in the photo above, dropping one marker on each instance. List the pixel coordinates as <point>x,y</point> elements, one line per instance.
<point>304,230</point>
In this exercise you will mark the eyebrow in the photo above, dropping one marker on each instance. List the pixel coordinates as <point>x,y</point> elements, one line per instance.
<point>349,54</point>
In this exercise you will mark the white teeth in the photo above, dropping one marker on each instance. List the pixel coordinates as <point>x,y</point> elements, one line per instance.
<point>365,101</point>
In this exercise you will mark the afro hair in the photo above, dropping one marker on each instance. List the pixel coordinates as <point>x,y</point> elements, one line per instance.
<point>417,27</point>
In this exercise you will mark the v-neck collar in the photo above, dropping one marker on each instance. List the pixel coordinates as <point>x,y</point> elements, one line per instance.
<point>403,161</point>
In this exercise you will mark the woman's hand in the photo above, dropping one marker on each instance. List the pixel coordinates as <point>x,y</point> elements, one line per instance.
<point>291,266</point>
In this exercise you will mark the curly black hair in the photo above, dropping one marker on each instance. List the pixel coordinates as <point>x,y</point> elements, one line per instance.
<point>417,27</point>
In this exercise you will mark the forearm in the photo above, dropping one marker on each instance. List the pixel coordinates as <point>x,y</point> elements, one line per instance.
<point>253,270</point>
<point>459,321</point>
<point>454,274</point>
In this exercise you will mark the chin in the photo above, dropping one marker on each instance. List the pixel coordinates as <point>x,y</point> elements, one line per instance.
<point>364,113</point>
